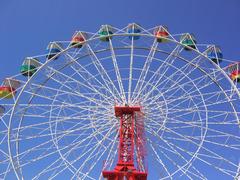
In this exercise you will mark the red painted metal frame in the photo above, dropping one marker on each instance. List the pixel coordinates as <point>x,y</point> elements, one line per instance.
<point>140,142</point>
<point>125,166</point>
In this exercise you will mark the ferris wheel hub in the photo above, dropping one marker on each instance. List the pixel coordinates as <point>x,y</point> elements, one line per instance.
<point>120,110</point>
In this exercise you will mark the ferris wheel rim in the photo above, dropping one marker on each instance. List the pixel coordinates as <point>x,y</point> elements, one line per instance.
<point>62,52</point>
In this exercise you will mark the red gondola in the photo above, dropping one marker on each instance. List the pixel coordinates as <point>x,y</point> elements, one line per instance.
<point>234,71</point>
<point>78,39</point>
<point>8,89</point>
<point>161,33</point>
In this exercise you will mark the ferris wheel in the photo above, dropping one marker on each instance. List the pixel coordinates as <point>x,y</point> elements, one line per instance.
<point>129,103</point>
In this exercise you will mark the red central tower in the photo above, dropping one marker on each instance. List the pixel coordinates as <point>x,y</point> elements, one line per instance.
<point>125,166</point>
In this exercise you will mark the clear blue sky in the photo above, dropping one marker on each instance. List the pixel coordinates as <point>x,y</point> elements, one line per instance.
<point>26,26</point>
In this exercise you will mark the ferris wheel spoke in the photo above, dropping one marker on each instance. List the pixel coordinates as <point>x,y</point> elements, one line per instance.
<point>45,109</point>
<point>64,169</point>
<point>107,163</point>
<point>60,119</point>
<point>98,159</point>
<point>155,105</point>
<point>55,167</point>
<point>80,70</point>
<point>8,169</point>
<point>3,138</point>
<point>171,57</point>
<point>170,130</point>
<point>85,152</point>
<point>176,88</point>
<point>176,80</point>
<point>187,69</point>
<point>210,104</point>
<point>2,121</point>
<point>63,79</point>
<point>162,69</point>
<point>195,124</point>
<point>166,65</point>
<point>5,169</point>
<point>177,148</point>
<point>78,93</point>
<point>159,160</point>
<point>170,160</point>
<point>201,159</point>
<point>185,93</point>
<point>63,162</point>
<point>199,105</point>
<point>145,69</point>
<point>192,90</point>
<point>215,134</point>
<point>71,163</point>
<point>130,70</point>
<point>179,73</point>
<point>81,114</point>
<point>183,138</point>
<point>102,72</point>
<point>222,115</point>
<point>204,148</point>
<point>187,110</point>
<point>119,79</point>
<point>176,152</point>
<point>172,150</point>
<point>171,99</point>
<point>204,85</point>
<point>97,153</point>
<point>45,170</point>
<point>198,138</point>
<point>59,138</point>
<point>65,132</point>
<point>51,97</point>
<point>224,171</point>
<point>90,139</point>
<point>50,153</point>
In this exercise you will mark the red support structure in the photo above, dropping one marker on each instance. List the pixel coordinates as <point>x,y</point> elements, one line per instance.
<point>140,142</point>
<point>125,166</point>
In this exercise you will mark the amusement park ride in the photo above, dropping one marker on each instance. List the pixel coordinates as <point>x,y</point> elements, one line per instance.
<point>126,96</point>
